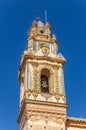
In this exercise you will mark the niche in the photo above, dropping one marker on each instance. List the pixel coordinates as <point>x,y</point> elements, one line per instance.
<point>45,76</point>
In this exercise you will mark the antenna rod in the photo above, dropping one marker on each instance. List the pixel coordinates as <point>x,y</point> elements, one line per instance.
<point>45,16</point>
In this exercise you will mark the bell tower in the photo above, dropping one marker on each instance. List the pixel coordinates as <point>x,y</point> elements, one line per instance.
<point>42,95</point>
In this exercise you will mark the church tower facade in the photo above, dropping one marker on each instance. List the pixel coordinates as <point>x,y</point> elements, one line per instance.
<point>42,93</point>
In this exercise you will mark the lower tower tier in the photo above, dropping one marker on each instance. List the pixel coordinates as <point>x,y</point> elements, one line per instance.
<point>42,112</point>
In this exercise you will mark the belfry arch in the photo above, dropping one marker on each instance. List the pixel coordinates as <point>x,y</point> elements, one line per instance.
<point>45,77</point>
<point>45,72</point>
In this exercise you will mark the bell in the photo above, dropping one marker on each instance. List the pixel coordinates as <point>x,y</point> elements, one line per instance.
<point>44,86</point>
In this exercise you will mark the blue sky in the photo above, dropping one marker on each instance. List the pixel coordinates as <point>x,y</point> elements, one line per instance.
<point>68,21</point>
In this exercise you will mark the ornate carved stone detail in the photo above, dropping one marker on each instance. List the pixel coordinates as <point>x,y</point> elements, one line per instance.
<point>23,121</point>
<point>35,77</point>
<point>48,109</point>
<point>61,97</point>
<point>56,91</point>
<point>44,119</point>
<point>36,116</point>
<point>44,97</point>
<point>45,66</point>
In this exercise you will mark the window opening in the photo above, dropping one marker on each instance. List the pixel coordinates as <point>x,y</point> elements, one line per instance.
<point>44,84</point>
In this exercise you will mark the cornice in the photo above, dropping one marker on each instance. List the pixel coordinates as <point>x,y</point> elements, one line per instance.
<point>58,60</point>
<point>41,60</point>
<point>46,103</point>
<point>24,107</point>
<point>44,38</point>
<point>76,122</point>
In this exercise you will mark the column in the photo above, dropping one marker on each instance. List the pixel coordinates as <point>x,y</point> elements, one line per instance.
<point>26,77</point>
<point>21,91</point>
<point>61,80</point>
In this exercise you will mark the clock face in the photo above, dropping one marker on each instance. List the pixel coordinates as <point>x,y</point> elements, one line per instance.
<point>43,46</point>
<point>45,50</point>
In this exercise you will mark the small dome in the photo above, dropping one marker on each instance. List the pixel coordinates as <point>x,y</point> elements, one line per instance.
<point>54,37</point>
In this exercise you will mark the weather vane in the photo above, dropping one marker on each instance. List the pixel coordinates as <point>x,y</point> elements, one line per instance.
<point>39,17</point>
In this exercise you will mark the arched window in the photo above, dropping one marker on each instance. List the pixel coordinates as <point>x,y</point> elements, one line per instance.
<point>45,75</point>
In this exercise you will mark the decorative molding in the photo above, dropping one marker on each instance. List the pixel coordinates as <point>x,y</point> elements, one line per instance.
<point>34,95</point>
<point>42,106</point>
<point>76,122</point>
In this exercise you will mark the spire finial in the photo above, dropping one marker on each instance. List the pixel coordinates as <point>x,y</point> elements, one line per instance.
<point>45,16</point>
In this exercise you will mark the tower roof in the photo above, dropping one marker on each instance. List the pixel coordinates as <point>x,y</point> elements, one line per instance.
<point>38,29</point>
<point>41,44</point>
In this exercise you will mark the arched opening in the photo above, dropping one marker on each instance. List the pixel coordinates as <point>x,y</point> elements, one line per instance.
<point>45,75</point>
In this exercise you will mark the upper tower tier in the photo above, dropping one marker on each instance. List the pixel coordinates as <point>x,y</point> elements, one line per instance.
<point>41,43</point>
<point>41,62</point>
